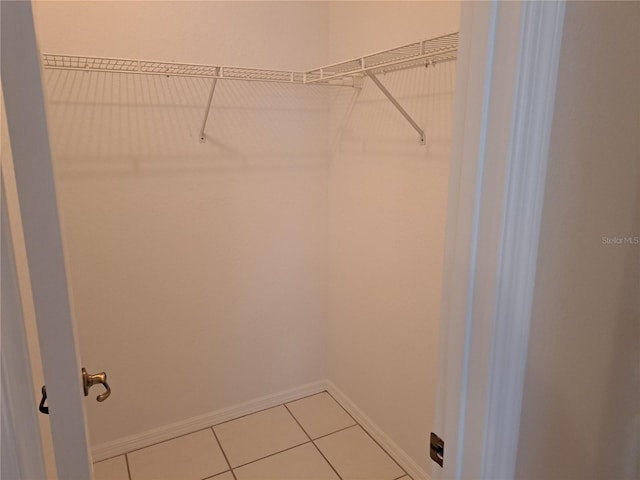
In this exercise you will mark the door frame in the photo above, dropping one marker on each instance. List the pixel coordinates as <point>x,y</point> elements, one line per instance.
<point>508,64</point>
<point>27,124</point>
<point>507,69</point>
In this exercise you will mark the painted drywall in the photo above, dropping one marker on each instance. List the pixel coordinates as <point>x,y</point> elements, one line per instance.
<point>361,27</point>
<point>201,273</point>
<point>273,34</point>
<point>581,408</point>
<point>387,198</point>
<point>198,271</point>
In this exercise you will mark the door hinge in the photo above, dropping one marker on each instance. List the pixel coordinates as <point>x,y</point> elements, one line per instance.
<point>436,449</point>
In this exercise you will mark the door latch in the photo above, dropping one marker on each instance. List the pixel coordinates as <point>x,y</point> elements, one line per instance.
<point>89,380</point>
<point>436,449</point>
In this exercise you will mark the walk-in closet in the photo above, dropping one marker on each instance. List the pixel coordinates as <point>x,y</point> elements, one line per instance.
<point>319,240</point>
<point>252,200</point>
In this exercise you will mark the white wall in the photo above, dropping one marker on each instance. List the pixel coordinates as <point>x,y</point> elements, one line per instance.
<point>581,409</point>
<point>272,34</point>
<point>197,270</point>
<point>361,27</point>
<point>387,216</point>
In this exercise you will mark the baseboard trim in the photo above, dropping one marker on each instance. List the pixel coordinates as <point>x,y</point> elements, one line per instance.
<point>406,462</point>
<point>150,437</point>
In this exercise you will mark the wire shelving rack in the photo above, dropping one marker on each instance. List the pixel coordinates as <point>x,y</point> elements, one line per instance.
<point>347,73</point>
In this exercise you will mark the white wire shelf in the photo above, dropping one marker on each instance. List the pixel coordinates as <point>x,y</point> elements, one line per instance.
<point>426,52</point>
<point>422,53</point>
<point>348,73</point>
<point>148,67</point>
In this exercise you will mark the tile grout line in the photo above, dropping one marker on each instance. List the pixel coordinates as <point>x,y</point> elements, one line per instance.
<point>402,476</point>
<point>231,469</point>
<point>383,449</point>
<point>163,441</point>
<point>224,454</point>
<point>245,415</point>
<point>214,476</point>
<point>327,460</point>
<point>108,458</point>
<point>214,425</point>
<point>305,397</point>
<point>312,442</point>
<point>266,408</point>
<point>272,454</point>
<point>337,431</point>
<point>126,459</point>
<point>371,436</point>
<point>345,410</point>
<point>296,420</point>
<point>220,423</point>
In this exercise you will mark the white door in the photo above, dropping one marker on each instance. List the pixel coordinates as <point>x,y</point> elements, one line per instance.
<point>27,123</point>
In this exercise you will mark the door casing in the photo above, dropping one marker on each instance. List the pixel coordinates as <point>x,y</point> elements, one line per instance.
<point>508,64</point>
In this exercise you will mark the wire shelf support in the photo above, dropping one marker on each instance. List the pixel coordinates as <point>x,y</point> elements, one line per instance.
<point>348,73</point>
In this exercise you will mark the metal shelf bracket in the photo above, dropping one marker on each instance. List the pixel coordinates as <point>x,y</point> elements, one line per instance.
<point>349,73</point>
<point>203,138</point>
<point>398,106</point>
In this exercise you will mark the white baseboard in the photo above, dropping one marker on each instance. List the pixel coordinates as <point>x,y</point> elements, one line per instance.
<point>167,432</point>
<point>406,462</point>
<point>161,434</point>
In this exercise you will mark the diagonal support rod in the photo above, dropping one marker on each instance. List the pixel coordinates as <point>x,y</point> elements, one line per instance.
<point>398,106</point>
<point>206,112</point>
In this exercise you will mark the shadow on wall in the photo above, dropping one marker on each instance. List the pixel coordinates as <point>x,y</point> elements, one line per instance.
<point>109,123</point>
<point>374,129</point>
<point>129,124</point>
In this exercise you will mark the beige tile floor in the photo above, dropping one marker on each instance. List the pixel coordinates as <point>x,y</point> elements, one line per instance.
<point>313,438</point>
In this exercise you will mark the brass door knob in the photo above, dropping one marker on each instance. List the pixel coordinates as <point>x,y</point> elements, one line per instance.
<point>89,380</point>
